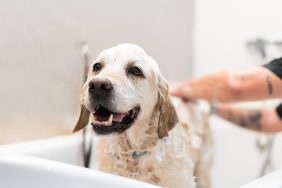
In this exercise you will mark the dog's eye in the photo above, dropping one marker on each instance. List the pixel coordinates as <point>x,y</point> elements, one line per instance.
<point>135,71</point>
<point>97,67</point>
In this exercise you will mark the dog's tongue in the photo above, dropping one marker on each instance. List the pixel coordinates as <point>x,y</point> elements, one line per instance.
<point>118,117</point>
<point>102,118</point>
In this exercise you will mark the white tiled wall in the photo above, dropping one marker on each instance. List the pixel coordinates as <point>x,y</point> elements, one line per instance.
<point>222,28</point>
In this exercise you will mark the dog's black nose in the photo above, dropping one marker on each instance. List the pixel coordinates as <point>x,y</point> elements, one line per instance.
<point>100,86</point>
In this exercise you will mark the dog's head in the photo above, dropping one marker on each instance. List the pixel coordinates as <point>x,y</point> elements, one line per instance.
<point>124,86</point>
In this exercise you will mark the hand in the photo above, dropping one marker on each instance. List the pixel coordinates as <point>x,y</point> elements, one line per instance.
<point>181,89</point>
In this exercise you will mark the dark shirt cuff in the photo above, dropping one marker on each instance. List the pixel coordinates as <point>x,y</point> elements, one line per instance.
<point>275,66</point>
<point>279,110</point>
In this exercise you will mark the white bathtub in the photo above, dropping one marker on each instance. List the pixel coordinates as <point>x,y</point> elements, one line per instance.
<point>271,180</point>
<point>236,159</point>
<point>17,169</point>
<point>31,172</point>
<point>65,149</point>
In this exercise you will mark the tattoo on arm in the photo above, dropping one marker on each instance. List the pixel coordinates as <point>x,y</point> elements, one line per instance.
<point>269,85</point>
<point>251,121</point>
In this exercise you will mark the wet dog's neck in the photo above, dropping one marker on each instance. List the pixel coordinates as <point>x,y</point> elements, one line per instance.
<point>138,138</point>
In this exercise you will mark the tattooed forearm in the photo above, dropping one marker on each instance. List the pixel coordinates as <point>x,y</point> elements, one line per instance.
<point>262,120</point>
<point>251,119</point>
<point>269,85</point>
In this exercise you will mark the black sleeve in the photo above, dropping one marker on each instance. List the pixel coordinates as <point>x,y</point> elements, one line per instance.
<point>279,110</point>
<point>275,66</point>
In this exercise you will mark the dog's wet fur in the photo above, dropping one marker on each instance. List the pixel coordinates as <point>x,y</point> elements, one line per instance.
<point>124,78</point>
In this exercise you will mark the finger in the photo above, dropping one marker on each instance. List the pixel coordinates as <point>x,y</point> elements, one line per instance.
<point>174,87</point>
<point>179,90</point>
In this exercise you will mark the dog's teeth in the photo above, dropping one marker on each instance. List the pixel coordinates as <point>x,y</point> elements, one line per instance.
<point>107,122</point>
<point>110,120</point>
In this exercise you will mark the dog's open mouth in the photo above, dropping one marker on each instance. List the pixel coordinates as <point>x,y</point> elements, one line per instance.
<point>107,122</point>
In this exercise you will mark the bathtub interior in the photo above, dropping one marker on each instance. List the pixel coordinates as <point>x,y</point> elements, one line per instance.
<point>272,179</point>
<point>67,149</point>
<point>30,172</point>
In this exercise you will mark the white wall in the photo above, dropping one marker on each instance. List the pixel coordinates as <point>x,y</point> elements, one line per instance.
<point>40,63</point>
<point>222,28</point>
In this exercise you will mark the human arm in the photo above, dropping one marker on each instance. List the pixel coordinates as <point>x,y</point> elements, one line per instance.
<point>231,86</point>
<point>262,120</point>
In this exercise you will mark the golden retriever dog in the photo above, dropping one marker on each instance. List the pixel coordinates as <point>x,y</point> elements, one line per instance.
<point>150,136</point>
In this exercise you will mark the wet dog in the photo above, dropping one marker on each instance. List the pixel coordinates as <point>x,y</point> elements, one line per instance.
<point>150,136</point>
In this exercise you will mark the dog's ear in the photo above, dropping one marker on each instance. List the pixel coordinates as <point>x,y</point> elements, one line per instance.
<point>83,119</point>
<point>168,117</point>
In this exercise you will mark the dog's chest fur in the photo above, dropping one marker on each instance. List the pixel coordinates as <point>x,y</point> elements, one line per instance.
<point>168,162</point>
<point>163,165</point>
